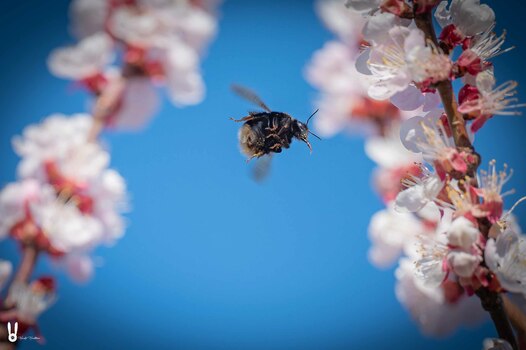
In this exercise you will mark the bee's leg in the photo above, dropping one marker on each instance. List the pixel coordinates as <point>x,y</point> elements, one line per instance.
<point>255,155</point>
<point>274,126</point>
<point>276,147</point>
<point>273,135</point>
<point>244,119</point>
<point>285,128</point>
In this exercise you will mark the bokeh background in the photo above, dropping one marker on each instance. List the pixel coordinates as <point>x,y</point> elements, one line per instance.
<point>211,259</point>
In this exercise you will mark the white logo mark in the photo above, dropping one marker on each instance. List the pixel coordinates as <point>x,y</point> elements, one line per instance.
<point>12,336</point>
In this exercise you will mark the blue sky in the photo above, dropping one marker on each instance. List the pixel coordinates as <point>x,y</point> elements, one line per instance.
<point>212,260</point>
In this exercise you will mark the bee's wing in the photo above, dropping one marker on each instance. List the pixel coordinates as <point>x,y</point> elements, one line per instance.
<point>261,168</point>
<point>249,95</point>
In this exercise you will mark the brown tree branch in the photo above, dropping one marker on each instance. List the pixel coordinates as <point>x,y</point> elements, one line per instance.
<point>518,320</point>
<point>491,301</point>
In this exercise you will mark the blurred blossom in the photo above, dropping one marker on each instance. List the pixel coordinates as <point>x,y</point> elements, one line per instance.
<point>391,233</point>
<point>84,60</point>
<point>65,187</point>
<point>347,25</point>
<point>6,269</point>
<point>29,301</point>
<point>160,44</point>
<point>506,256</point>
<point>438,311</point>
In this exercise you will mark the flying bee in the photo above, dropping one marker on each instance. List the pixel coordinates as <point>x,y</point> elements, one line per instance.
<point>267,132</point>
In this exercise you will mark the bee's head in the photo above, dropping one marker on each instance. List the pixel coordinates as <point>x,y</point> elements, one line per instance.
<point>301,131</point>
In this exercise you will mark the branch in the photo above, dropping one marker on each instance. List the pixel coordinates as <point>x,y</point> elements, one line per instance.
<point>491,301</point>
<point>424,22</point>
<point>518,320</point>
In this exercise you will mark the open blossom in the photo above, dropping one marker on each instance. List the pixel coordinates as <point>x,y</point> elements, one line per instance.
<point>455,248</point>
<point>478,52</point>
<point>438,311</point>
<point>401,58</point>
<point>487,100</point>
<point>468,16</point>
<point>431,136</point>
<point>506,257</point>
<point>491,191</point>
<point>420,190</point>
<point>390,233</point>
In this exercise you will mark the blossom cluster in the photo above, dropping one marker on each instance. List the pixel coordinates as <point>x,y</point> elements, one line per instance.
<point>128,47</point>
<point>444,221</point>
<point>66,200</point>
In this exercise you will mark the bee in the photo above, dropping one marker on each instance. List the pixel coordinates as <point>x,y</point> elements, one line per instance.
<point>267,132</point>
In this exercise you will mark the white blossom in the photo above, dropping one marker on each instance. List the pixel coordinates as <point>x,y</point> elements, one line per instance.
<point>401,58</point>
<point>86,59</point>
<point>66,227</point>
<point>506,257</point>
<point>429,307</point>
<point>469,16</point>
<point>462,233</point>
<point>463,263</point>
<point>64,141</point>
<point>391,232</point>
<point>14,199</point>
<point>30,301</point>
<point>347,24</point>
<point>57,152</point>
<point>420,191</point>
